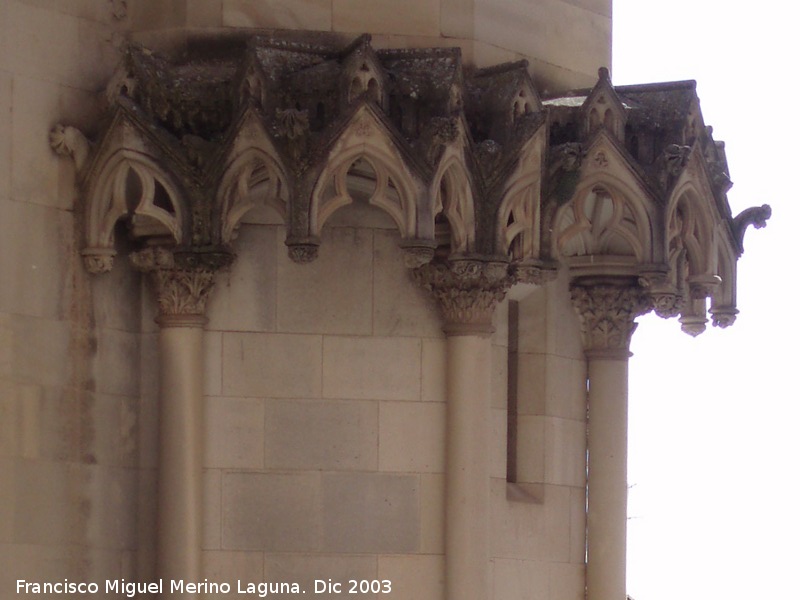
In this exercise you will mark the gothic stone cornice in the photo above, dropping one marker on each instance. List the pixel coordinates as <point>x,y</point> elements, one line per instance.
<point>468,163</point>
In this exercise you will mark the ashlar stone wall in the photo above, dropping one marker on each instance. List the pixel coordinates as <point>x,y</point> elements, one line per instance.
<point>325,413</point>
<point>69,349</point>
<point>325,392</point>
<point>538,522</point>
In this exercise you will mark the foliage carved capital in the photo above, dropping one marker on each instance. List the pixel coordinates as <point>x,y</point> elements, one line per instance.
<point>181,284</point>
<point>607,313</point>
<point>467,292</point>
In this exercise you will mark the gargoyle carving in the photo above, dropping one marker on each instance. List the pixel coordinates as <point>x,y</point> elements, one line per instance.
<point>675,157</point>
<point>756,216</point>
<point>69,141</point>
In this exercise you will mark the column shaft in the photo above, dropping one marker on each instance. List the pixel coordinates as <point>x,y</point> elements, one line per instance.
<point>467,483</point>
<point>180,478</point>
<point>607,310</point>
<point>608,484</point>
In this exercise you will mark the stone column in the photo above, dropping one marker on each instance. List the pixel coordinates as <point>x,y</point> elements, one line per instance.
<point>467,293</point>
<point>181,293</point>
<point>607,312</point>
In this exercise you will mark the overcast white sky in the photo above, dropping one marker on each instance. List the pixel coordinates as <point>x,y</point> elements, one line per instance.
<point>714,447</point>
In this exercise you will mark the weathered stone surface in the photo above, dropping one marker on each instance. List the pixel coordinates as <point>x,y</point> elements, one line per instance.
<point>412,437</point>
<point>307,14</point>
<point>566,581</point>
<point>212,509</point>
<point>531,449</point>
<point>529,530</point>
<point>231,567</point>
<point>371,368</point>
<point>245,298</point>
<point>273,512</point>
<point>273,366</point>
<point>414,576</point>
<point>333,294</point>
<point>324,435</point>
<point>417,18</point>
<point>433,370</point>
<point>235,433</point>
<point>432,513</point>
<point>400,307</point>
<point>520,579</point>
<point>305,568</point>
<point>36,269</point>
<point>564,453</point>
<point>370,513</point>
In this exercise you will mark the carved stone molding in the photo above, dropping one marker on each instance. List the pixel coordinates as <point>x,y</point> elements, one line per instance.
<point>607,312</point>
<point>467,163</point>
<point>723,316</point>
<point>98,260</point>
<point>181,289</point>
<point>303,250</point>
<point>467,292</point>
<point>667,300</point>
<point>534,273</point>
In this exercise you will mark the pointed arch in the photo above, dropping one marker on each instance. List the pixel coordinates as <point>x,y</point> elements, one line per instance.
<point>518,221</point>
<point>517,233</point>
<point>606,217</point>
<point>452,198</point>
<point>130,183</point>
<point>364,75</point>
<point>690,227</point>
<point>396,191</point>
<point>254,178</point>
<point>391,191</point>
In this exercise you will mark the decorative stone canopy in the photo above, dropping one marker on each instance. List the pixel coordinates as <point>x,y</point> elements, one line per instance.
<point>622,183</point>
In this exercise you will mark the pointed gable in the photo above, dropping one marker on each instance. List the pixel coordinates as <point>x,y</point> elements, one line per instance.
<point>362,73</point>
<point>603,108</point>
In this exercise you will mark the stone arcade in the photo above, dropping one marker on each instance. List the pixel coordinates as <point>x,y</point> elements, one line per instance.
<point>388,284</point>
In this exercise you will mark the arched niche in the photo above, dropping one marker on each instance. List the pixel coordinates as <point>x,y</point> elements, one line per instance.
<point>364,175</point>
<point>132,185</point>
<point>453,206</point>
<point>690,229</point>
<point>254,181</point>
<point>517,232</point>
<point>604,218</point>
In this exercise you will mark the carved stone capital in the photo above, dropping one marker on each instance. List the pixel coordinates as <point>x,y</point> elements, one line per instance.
<point>607,314</point>
<point>181,290</point>
<point>724,316</point>
<point>466,291</point>
<point>417,252</point>
<point>303,250</point>
<point>98,260</point>
<point>668,302</point>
